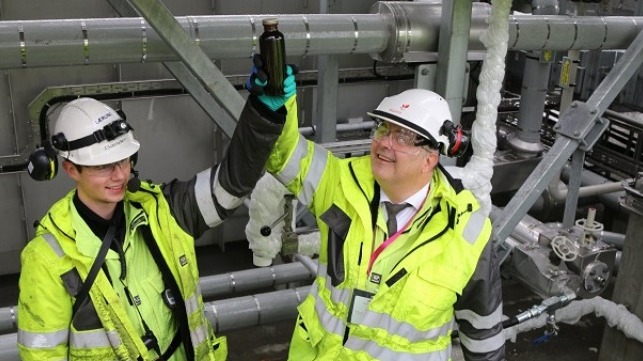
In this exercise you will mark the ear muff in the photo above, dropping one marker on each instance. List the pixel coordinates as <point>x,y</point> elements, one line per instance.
<point>458,141</point>
<point>43,163</point>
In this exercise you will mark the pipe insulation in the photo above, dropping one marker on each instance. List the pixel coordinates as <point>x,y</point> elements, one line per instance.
<point>394,30</point>
<point>266,209</point>
<point>476,174</point>
<point>616,315</point>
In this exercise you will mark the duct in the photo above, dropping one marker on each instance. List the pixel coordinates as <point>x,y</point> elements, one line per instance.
<point>225,315</point>
<point>398,31</point>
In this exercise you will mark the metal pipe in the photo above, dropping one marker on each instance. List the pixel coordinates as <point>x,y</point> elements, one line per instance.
<point>307,262</point>
<point>534,90</point>
<point>240,312</point>
<point>611,200</point>
<point>614,239</point>
<point>215,286</point>
<point>364,125</point>
<point>532,105</point>
<point>247,280</point>
<point>398,31</point>
<point>225,315</point>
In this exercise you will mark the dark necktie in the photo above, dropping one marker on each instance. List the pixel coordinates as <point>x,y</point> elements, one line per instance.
<point>393,209</point>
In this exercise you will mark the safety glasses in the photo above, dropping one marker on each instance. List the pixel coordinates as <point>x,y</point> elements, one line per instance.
<point>402,140</point>
<point>105,170</point>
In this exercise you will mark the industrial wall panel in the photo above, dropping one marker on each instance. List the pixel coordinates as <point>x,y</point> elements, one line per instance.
<point>12,226</point>
<point>55,9</point>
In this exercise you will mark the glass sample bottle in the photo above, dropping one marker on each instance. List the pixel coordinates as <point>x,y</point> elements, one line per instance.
<point>273,51</point>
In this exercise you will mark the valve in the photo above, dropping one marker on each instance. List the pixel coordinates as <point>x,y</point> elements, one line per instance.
<point>564,248</point>
<point>589,228</point>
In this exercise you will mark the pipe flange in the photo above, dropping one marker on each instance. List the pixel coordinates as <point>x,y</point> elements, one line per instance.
<point>595,277</point>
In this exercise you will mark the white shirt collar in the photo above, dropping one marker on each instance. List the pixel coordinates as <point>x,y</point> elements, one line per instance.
<point>414,200</point>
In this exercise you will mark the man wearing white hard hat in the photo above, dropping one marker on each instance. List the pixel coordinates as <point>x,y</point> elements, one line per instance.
<point>390,286</point>
<point>111,273</point>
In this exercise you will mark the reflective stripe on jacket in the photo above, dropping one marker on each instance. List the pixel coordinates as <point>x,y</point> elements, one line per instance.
<point>102,329</point>
<point>418,281</point>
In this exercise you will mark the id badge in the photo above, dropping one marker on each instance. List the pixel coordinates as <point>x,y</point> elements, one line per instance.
<point>359,305</point>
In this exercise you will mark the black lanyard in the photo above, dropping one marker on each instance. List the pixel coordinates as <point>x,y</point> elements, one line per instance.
<point>81,298</point>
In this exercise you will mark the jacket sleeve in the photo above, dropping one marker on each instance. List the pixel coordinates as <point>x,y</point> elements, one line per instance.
<point>300,164</point>
<point>44,306</point>
<point>478,311</point>
<point>212,195</point>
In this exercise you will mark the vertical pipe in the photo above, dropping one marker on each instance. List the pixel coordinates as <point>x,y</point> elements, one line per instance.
<point>532,103</point>
<point>455,25</point>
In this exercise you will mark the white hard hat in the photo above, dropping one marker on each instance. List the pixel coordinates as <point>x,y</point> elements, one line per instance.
<point>421,111</point>
<point>88,132</point>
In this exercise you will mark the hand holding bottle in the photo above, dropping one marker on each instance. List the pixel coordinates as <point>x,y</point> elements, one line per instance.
<point>258,81</point>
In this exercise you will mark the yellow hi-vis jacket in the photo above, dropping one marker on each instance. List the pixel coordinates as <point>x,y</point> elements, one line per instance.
<point>440,271</point>
<point>53,267</point>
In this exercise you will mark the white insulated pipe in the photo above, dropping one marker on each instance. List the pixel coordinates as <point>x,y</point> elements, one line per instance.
<point>392,30</point>
<point>617,316</point>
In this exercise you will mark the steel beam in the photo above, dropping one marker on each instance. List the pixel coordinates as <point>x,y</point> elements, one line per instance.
<point>196,61</point>
<point>579,126</point>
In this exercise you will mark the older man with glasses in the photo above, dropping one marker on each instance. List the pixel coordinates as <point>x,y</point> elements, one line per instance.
<point>405,251</point>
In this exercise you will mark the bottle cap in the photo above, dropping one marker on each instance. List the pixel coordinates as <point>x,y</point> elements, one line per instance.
<point>270,21</point>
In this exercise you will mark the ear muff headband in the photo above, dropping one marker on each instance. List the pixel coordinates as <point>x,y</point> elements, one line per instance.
<point>109,132</point>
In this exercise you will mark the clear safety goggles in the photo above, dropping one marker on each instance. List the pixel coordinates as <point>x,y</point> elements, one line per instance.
<point>105,170</point>
<point>401,139</point>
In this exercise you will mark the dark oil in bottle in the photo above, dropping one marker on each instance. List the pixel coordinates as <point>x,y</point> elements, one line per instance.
<point>273,52</point>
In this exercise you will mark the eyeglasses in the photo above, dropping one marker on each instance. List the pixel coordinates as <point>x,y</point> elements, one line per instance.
<point>402,140</point>
<point>105,170</point>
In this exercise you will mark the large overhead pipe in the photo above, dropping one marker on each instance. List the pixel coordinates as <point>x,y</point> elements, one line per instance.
<point>395,31</point>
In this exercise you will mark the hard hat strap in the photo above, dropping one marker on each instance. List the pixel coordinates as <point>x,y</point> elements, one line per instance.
<point>109,132</point>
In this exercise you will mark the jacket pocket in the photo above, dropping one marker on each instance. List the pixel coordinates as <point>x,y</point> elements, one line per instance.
<point>338,224</point>
<point>425,300</point>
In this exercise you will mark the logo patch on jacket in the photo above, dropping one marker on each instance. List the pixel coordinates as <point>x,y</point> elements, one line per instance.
<point>376,278</point>
<point>183,260</point>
